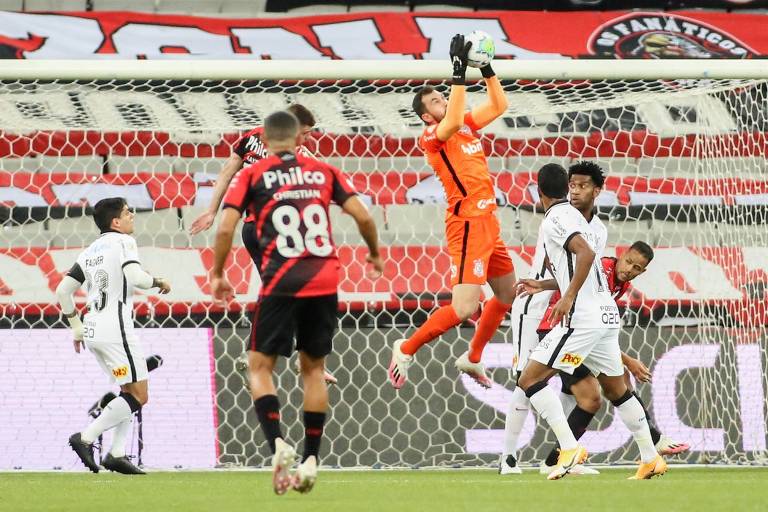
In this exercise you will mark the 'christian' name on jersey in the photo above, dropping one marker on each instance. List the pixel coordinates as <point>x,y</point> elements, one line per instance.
<point>289,196</point>
<point>594,307</point>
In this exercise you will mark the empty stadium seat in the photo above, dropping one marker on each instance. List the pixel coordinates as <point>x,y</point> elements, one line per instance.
<point>379,8</point>
<point>189,6</point>
<point>210,166</point>
<point>122,5</point>
<point>28,235</point>
<point>133,165</point>
<point>88,164</point>
<point>511,226</point>
<point>55,5</point>
<point>308,10</point>
<point>246,7</point>
<point>72,232</point>
<point>11,5</point>
<point>529,223</point>
<point>344,228</point>
<point>25,163</point>
<point>208,237</point>
<point>440,7</point>
<point>415,224</point>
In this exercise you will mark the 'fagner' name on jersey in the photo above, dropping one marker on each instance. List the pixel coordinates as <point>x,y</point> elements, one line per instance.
<point>289,195</point>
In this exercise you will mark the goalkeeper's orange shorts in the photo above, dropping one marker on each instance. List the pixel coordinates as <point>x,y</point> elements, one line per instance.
<point>476,249</point>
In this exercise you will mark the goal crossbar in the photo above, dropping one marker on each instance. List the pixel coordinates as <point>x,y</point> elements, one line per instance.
<point>200,69</point>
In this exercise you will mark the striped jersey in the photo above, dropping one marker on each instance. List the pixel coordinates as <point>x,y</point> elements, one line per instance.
<point>289,195</point>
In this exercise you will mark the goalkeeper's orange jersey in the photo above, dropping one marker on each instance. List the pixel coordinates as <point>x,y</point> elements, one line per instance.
<point>460,164</point>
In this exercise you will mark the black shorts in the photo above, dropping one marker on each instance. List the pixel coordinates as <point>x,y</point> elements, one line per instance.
<point>250,241</point>
<point>579,373</point>
<point>279,319</point>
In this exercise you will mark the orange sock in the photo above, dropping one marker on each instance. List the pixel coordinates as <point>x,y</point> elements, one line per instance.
<point>437,323</point>
<point>490,319</point>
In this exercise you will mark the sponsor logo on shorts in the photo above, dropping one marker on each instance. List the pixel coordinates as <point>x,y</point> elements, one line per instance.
<point>664,36</point>
<point>477,268</point>
<point>120,372</point>
<point>572,359</point>
<point>485,203</point>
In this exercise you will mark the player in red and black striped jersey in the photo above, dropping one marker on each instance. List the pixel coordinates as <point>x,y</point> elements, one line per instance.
<point>580,391</point>
<point>289,195</point>
<point>249,149</point>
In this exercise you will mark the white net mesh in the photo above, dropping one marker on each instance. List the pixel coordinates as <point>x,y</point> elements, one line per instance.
<point>686,164</point>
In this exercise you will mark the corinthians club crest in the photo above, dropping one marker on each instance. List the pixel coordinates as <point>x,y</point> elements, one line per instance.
<point>664,36</point>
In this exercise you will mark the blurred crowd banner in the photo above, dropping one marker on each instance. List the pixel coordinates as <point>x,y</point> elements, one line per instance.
<point>417,35</point>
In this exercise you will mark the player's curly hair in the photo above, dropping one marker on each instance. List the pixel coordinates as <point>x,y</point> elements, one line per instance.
<point>591,169</point>
<point>107,209</point>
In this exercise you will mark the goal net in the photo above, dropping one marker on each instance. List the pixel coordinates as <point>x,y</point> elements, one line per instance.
<point>685,158</point>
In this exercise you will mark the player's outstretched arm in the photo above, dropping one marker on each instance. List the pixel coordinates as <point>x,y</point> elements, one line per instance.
<point>367,227</point>
<point>585,256</point>
<point>496,104</point>
<point>221,290</point>
<point>457,101</point>
<point>64,293</point>
<point>205,219</point>
<point>531,286</point>
<point>139,278</point>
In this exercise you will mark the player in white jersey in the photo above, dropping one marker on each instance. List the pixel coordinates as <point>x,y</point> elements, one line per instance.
<point>588,332</point>
<point>110,270</point>
<point>526,315</point>
<point>585,180</point>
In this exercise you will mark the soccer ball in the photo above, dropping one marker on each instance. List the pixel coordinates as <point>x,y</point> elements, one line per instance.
<point>482,51</point>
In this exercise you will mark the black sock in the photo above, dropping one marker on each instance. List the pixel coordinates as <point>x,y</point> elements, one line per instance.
<point>655,434</point>
<point>268,412</point>
<point>313,431</point>
<point>578,420</point>
<point>551,459</point>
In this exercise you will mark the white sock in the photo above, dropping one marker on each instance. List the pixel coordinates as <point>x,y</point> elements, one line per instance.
<point>633,416</point>
<point>568,402</point>
<point>546,404</point>
<point>120,437</point>
<point>516,416</point>
<point>115,412</point>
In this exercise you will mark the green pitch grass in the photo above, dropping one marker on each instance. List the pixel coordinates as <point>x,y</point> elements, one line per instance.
<point>690,489</point>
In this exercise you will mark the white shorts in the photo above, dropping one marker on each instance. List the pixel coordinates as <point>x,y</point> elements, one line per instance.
<point>123,362</point>
<point>524,338</point>
<point>565,349</point>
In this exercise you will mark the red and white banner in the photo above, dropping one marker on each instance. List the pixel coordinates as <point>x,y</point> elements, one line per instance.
<point>735,278</point>
<point>160,190</point>
<point>518,35</point>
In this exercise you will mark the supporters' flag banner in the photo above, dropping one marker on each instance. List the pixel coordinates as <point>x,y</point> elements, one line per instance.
<point>518,35</point>
<point>732,278</point>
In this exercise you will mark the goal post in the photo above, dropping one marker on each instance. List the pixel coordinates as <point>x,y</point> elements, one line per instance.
<point>685,148</point>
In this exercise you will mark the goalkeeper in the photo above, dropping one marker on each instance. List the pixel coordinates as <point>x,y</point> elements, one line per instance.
<point>478,255</point>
